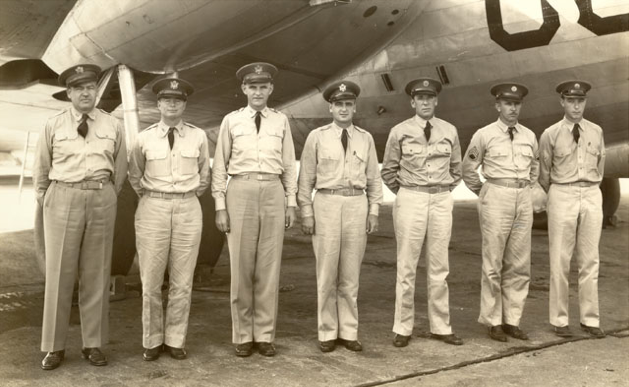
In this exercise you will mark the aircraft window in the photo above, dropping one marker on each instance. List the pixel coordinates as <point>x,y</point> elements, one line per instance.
<point>370,11</point>
<point>390,23</point>
<point>387,82</point>
<point>395,12</point>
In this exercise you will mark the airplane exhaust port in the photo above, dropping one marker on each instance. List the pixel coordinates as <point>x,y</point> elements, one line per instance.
<point>124,235</point>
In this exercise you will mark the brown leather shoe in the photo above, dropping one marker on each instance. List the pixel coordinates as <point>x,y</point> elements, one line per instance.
<point>514,332</point>
<point>95,356</point>
<point>176,353</point>
<point>327,346</point>
<point>266,349</point>
<point>496,333</point>
<point>401,340</point>
<point>352,345</point>
<point>451,339</point>
<point>244,349</point>
<point>562,331</point>
<point>151,354</point>
<point>593,331</point>
<point>53,360</point>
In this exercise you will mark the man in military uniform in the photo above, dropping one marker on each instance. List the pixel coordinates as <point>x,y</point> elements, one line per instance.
<point>572,155</point>
<point>80,166</point>
<point>508,154</point>
<point>255,147</point>
<point>422,165</point>
<point>169,168</point>
<point>339,160</point>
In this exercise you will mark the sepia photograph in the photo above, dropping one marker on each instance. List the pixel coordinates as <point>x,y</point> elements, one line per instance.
<point>314,193</point>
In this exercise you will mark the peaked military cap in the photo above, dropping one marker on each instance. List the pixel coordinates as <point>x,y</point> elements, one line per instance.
<point>341,90</point>
<point>573,88</point>
<point>173,88</point>
<point>258,72</point>
<point>509,91</point>
<point>424,85</point>
<point>79,74</point>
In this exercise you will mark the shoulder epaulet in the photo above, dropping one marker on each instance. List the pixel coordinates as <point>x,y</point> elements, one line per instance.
<point>152,126</point>
<point>360,129</point>
<point>191,126</point>
<point>60,112</point>
<point>274,110</point>
<point>235,111</point>
<point>102,111</point>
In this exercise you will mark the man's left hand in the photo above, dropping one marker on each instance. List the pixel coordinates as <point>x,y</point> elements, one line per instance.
<point>372,224</point>
<point>290,217</point>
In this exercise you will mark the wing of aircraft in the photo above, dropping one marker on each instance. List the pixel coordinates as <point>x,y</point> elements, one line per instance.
<point>381,45</point>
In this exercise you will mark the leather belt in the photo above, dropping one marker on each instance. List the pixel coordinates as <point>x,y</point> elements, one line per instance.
<point>510,183</point>
<point>432,189</point>
<point>170,195</point>
<point>256,176</point>
<point>579,184</point>
<point>342,191</point>
<point>85,184</point>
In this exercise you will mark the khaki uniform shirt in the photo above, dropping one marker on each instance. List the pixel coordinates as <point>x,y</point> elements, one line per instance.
<point>64,155</point>
<point>410,160</point>
<point>323,165</point>
<point>500,157</point>
<point>155,167</point>
<point>240,149</point>
<point>563,161</point>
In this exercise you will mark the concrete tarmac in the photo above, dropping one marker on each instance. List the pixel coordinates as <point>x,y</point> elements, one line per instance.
<point>544,360</point>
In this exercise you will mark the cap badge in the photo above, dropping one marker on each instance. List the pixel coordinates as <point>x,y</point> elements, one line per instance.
<point>174,85</point>
<point>577,86</point>
<point>426,83</point>
<point>514,89</point>
<point>258,69</point>
<point>342,88</point>
<point>79,70</point>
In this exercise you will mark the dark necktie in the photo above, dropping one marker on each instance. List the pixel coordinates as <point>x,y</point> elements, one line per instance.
<point>344,140</point>
<point>511,130</point>
<point>171,137</point>
<point>82,128</point>
<point>575,133</point>
<point>257,120</point>
<point>427,130</point>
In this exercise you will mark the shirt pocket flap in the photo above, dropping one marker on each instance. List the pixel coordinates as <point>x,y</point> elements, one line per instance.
<point>156,155</point>
<point>63,135</point>
<point>328,156</point>
<point>410,149</point>
<point>445,149</point>
<point>360,156</point>
<point>562,152</point>
<point>593,151</point>
<point>190,153</point>
<point>106,135</point>
<point>527,151</point>
<point>499,152</point>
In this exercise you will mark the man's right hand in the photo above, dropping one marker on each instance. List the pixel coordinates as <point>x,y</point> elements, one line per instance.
<point>222,221</point>
<point>308,225</point>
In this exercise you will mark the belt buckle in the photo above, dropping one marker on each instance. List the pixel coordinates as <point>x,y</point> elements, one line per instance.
<point>433,189</point>
<point>83,185</point>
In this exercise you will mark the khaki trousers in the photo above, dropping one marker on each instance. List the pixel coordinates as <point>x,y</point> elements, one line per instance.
<point>78,235</point>
<point>506,218</point>
<point>168,234</point>
<point>575,218</point>
<point>339,245</point>
<point>257,216</point>
<point>418,216</point>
